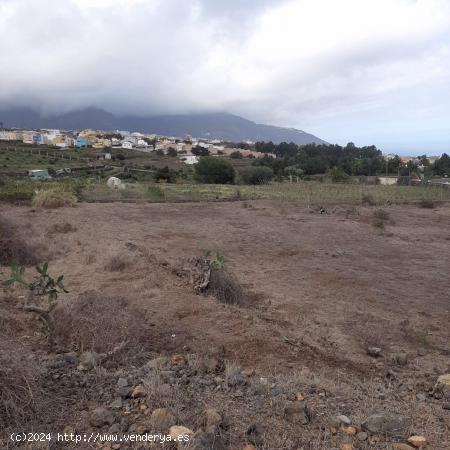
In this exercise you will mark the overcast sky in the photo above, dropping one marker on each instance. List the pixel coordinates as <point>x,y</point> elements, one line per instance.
<point>367,71</point>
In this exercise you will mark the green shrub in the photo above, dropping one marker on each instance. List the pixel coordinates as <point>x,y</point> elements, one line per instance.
<point>214,170</point>
<point>257,175</point>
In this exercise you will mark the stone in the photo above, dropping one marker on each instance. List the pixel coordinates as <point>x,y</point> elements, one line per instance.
<point>346,447</point>
<point>401,359</point>
<point>88,360</point>
<point>350,431</point>
<point>421,397</point>
<point>178,360</point>
<point>116,403</point>
<point>362,436</point>
<point>206,440</point>
<point>418,441</point>
<point>343,419</point>
<point>235,378</point>
<point>100,417</point>
<point>446,406</point>
<point>374,351</point>
<point>161,420</point>
<point>122,382</point>
<point>392,425</point>
<point>180,434</point>
<point>139,391</point>
<point>402,447</point>
<point>248,447</point>
<point>156,363</point>
<point>71,358</point>
<point>442,386</point>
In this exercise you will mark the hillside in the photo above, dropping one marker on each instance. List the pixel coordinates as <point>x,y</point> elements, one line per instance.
<point>215,126</point>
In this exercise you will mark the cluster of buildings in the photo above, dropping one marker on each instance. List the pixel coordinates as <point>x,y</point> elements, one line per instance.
<point>187,148</point>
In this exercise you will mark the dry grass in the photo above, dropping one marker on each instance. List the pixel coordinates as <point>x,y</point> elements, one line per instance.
<point>63,228</point>
<point>98,323</point>
<point>13,248</point>
<point>225,287</point>
<point>118,263</point>
<point>381,214</point>
<point>53,198</point>
<point>18,384</point>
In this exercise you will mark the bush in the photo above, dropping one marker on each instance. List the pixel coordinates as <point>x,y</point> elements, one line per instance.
<point>118,263</point>
<point>213,170</point>
<point>63,228</point>
<point>18,384</point>
<point>337,175</point>
<point>381,214</point>
<point>236,155</point>
<point>257,175</point>
<point>53,198</point>
<point>99,323</point>
<point>367,199</point>
<point>13,249</point>
<point>225,287</point>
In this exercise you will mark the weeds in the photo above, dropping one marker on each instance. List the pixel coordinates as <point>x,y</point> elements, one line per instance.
<point>62,228</point>
<point>367,199</point>
<point>381,214</point>
<point>118,263</point>
<point>13,249</point>
<point>427,204</point>
<point>42,286</point>
<point>53,198</point>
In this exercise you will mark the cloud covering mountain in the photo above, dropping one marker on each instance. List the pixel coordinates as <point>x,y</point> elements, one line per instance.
<point>371,71</point>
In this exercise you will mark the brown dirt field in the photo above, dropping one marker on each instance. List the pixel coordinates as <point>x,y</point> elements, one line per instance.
<point>322,288</point>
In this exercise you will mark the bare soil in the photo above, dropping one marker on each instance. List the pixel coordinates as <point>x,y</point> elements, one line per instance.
<point>321,286</point>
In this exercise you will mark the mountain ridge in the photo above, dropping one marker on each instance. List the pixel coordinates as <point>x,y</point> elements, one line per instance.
<point>219,125</point>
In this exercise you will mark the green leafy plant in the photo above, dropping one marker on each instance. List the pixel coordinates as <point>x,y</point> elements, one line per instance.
<point>43,286</point>
<point>219,262</point>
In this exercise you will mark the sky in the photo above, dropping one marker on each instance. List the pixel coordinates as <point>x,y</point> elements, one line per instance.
<point>367,71</point>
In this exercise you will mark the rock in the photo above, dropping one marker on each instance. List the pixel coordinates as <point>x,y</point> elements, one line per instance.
<point>442,386</point>
<point>248,372</point>
<point>249,447</point>
<point>161,420</point>
<point>446,406</point>
<point>418,441</point>
<point>139,391</point>
<point>346,447</point>
<point>235,378</point>
<point>297,412</point>
<point>88,360</point>
<point>350,431</point>
<point>180,434</point>
<point>71,358</point>
<point>100,417</point>
<point>400,359</point>
<point>212,418</point>
<point>122,382</point>
<point>178,360</point>
<point>374,351</point>
<point>343,419</point>
<point>384,423</point>
<point>116,404</point>
<point>421,397</point>
<point>402,447</point>
<point>362,436</point>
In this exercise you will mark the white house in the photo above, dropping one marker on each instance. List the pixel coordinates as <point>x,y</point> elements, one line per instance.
<point>189,159</point>
<point>128,145</point>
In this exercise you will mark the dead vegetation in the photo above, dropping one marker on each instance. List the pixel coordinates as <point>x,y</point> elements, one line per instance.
<point>13,248</point>
<point>210,276</point>
<point>18,384</point>
<point>118,263</point>
<point>53,198</point>
<point>96,322</point>
<point>427,204</point>
<point>62,228</point>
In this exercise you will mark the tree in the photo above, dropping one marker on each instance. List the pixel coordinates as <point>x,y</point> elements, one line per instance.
<point>213,170</point>
<point>236,155</point>
<point>171,152</point>
<point>257,175</point>
<point>200,151</point>
<point>159,152</point>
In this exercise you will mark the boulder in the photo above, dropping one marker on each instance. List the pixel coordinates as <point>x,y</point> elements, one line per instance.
<point>212,418</point>
<point>297,412</point>
<point>139,391</point>
<point>88,360</point>
<point>181,434</point>
<point>442,386</point>
<point>393,425</point>
<point>418,441</point>
<point>114,183</point>
<point>374,351</point>
<point>100,417</point>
